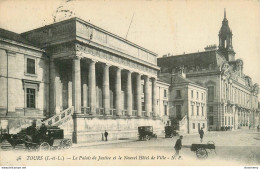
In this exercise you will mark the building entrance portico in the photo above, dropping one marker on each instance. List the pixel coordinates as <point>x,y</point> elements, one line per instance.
<point>96,88</point>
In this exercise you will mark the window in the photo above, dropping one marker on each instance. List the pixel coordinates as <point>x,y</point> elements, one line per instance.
<point>30,66</point>
<point>192,94</point>
<point>198,109</point>
<point>202,111</point>
<point>211,121</point>
<point>225,120</point>
<point>211,109</point>
<point>178,111</point>
<point>228,120</point>
<point>192,109</point>
<point>197,95</point>
<point>165,93</point>
<point>30,95</point>
<point>193,125</point>
<point>178,94</point>
<point>165,109</point>
<point>211,93</point>
<point>203,125</point>
<point>201,96</point>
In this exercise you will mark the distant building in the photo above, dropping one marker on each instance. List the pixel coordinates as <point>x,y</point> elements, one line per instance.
<point>187,103</point>
<point>163,96</point>
<point>232,96</point>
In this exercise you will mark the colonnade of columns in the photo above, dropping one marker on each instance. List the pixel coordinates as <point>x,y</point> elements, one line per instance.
<point>150,96</point>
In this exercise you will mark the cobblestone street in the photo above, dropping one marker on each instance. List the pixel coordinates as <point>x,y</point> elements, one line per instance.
<point>239,147</point>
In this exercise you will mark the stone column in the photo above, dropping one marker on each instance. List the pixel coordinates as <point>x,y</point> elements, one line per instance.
<point>84,95</point>
<point>76,85</point>
<point>69,94</point>
<point>129,93</point>
<point>147,96</point>
<point>118,92</point>
<point>154,90</point>
<point>105,92</point>
<point>138,95</point>
<point>57,95</point>
<point>92,86</point>
<point>54,89</point>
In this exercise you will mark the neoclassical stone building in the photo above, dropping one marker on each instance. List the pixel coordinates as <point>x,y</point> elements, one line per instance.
<point>187,102</point>
<point>232,96</point>
<point>24,81</point>
<point>82,78</point>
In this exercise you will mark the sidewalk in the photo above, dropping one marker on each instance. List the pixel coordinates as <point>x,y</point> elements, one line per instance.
<point>88,144</point>
<point>134,139</point>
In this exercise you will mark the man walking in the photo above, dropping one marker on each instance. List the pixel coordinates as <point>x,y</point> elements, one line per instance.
<point>106,134</point>
<point>177,148</point>
<point>201,132</point>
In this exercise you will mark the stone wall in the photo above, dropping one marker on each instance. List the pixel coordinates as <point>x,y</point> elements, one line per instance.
<point>91,129</point>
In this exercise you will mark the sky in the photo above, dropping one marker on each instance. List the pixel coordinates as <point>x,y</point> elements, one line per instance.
<point>173,26</point>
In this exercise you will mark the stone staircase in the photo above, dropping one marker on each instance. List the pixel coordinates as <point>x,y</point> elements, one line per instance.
<point>182,125</point>
<point>60,118</point>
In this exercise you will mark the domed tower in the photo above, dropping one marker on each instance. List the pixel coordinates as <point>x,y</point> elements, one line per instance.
<point>225,40</point>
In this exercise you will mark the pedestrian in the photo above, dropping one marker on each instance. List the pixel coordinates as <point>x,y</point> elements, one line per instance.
<point>201,132</point>
<point>106,134</point>
<point>258,128</point>
<point>249,126</point>
<point>177,148</point>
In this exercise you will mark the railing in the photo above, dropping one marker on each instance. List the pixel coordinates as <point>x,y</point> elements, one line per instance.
<point>134,112</point>
<point>144,113</point>
<point>59,118</point>
<point>183,120</point>
<point>85,110</point>
<point>112,112</point>
<point>153,114</point>
<point>124,112</point>
<point>100,111</point>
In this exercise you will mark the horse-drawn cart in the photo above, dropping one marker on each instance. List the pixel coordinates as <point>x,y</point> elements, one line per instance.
<point>53,139</point>
<point>202,150</point>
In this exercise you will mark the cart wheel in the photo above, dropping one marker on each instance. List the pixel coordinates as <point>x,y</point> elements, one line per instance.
<point>201,153</point>
<point>66,143</point>
<point>45,146</point>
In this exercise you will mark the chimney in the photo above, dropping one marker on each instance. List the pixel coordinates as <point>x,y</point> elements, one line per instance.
<point>181,72</point>
<point>210,47</point>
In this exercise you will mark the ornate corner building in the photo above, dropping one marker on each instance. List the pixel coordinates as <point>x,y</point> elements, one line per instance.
<point>232,97</point>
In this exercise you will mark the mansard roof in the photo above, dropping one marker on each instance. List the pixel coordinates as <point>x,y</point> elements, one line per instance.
<point>201,59</point>
<point>175,79</point>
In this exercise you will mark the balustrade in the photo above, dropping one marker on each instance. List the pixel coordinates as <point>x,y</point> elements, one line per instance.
<point>59,117</point>
<point>134,112</point>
